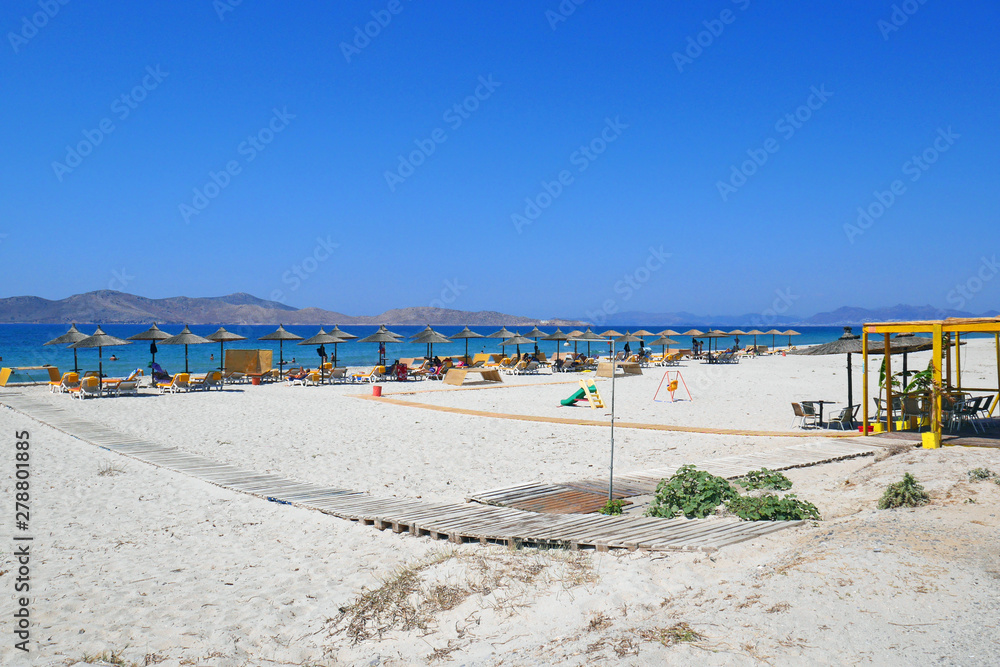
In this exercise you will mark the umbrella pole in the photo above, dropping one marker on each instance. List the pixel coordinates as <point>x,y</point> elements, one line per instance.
<point>76,365</point>
<point>611,470</point>
<point>186,359</point>
<point>850,382</point>
<point>100,371</point>
<point>222,355</point>
<point>281,359</point>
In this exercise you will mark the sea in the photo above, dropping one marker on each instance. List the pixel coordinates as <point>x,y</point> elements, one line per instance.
<point>24,345</point>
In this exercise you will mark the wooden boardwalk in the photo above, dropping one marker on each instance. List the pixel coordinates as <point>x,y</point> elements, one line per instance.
<point>590,494</point>
<point>454,522</point>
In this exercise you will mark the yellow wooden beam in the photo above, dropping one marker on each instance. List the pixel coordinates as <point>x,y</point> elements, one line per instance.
<point>887,349</point>
<point>864,386</point>
<point>932,440</point>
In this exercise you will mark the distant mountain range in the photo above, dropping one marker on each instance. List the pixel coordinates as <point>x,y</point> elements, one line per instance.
<point>110,307</point>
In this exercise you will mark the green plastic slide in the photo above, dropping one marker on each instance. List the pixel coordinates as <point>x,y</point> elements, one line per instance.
<point>580,394</point>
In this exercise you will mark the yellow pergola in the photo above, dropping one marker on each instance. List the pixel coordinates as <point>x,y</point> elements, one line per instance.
<point>947,335</point>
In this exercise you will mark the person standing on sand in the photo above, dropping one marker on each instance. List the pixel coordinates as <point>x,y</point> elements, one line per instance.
<point>321,351</point>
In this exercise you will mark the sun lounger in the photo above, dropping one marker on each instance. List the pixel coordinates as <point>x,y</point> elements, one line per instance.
<point>69,381</point>
<point>374,375</point>
<point>234,377</point>
<point>180,382</point>
<point>89,386</point>
<point>126,388</point>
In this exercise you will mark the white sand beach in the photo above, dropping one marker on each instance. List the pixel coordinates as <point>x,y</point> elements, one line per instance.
<point>156,567</point>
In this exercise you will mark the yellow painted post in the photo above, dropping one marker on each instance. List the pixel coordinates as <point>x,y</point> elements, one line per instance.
<point>864,386</point>
<point>958,360</point>
<point>947,349</point>
<point>932,439</point>
<point>996,346</point>
<point>888,383</point>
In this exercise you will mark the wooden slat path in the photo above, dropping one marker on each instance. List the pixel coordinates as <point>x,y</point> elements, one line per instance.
<point>580,495</point>
<point>454,522</point>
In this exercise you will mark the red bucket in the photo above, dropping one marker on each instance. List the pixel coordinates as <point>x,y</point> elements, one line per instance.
<point>377,390</point>
<point>255,379</point>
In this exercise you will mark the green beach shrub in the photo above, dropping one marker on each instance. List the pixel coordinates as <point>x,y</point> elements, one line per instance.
<point>770,507</point>
<point>907,493</point>
<point>764,479</point>
<point>981,474</point>
<point>691,492</point>
<point>612,507</point>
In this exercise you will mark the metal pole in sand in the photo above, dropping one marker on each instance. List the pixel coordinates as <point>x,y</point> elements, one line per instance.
<point>611,474</point>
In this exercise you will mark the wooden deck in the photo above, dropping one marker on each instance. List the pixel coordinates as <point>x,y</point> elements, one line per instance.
<point>454,522</point>
<point>590,494</point>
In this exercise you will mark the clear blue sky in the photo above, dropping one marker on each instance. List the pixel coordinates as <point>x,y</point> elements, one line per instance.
<point>673,130</point>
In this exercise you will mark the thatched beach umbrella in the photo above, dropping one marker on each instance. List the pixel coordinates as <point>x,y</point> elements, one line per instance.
<point>716,334</point>
<point>556,336</point>
<point>280,335</point>
<point>664,344</point>
<point>152,334</point>
<point>572,335</point>
<point>100,340</point>
<point>667,332</point>
<point>343,335</point>
<point>535,333</point>
<point>518,340</point>
<point>755,333</point>
<point>222,337</point>
<point>790,333</point>
<point>185,338</point>
<point>610,333</point>
<point>590,336</point>
<point>382,336</point>
<point>503,333</point>
<point>428,337</point>
<point>74,335</point>
<point>628,337</point>
<point>737,333</point>
<point>465,334</point>
<point>321,338</point>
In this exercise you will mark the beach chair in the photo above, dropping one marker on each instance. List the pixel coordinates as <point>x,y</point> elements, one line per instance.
<point>69,381</point>
<point>805,414</point>
<point>234,377</point>
<point>89,386</point>
<point>374,375</point>
<point>180,382</point>
<point>337,375</point>
<point>212,380</point>
<point>126,388</point>
<point>845,418</point>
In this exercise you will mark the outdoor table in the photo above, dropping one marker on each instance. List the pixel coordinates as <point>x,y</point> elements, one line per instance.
<point>606,369</point>
<point>820,404</point>
<point>456,376</point>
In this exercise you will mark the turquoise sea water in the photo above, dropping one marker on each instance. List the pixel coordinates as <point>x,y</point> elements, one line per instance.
<point>22,345</point>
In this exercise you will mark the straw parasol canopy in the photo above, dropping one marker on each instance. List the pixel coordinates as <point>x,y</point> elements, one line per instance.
<point>714,333</point>
<point>428,337</point>
<point>518,340</point>
<point>503,333</point>
<point>643,334</point>
<point>534,333</point>
<point>185,338</point>
<point>343,335</point>
<point>321,338</point>
<point>611,333</point>
<point>465,334</point>
<point>152,334</point>
<point>691,332</point>
<point>773,333</point>
<point>280,335</point>
<point>382,336</point>
<point>557,337</point>
<point>100,340</point>
<point>755,333</point>
<point>664,342</point>
<point>590,336</point>
<point>790,333</point>
<point>74,335</point>
<point>668,332</point>
<point>222,337</point>
<point>572,335</point>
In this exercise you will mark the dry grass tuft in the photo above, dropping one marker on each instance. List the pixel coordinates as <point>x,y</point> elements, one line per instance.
<point>893,450</point>
<point>110,469</point>
<point>678,633</point>
<point>598,622</point>
<point>778,608</point>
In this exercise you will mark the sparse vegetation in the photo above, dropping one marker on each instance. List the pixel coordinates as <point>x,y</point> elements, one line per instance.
<point>907,493</point>
<point>612,507</point>
<point>675,634</point>
<point>110,469</point>
<point>691,492</point>
<point>764,479</point>
<point>982,474</point>
<point>770,507</point>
